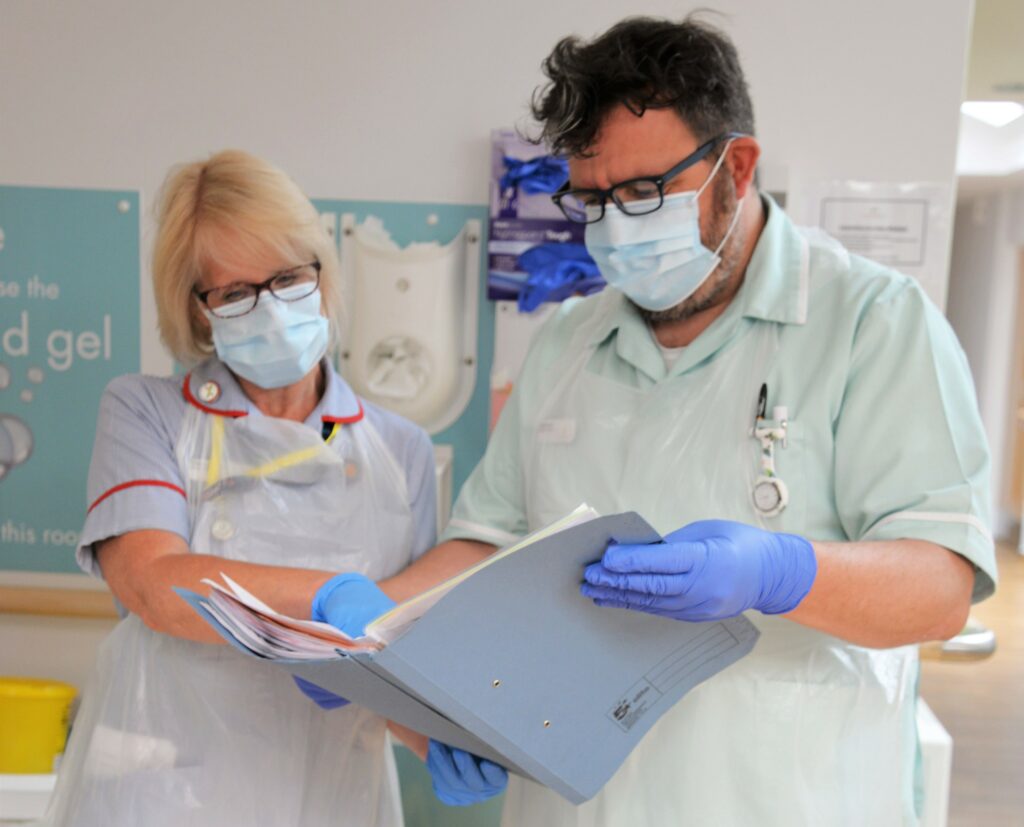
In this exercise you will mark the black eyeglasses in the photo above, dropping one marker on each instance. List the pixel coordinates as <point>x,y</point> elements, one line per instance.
<point>240,298</point>
<point>637,196</point>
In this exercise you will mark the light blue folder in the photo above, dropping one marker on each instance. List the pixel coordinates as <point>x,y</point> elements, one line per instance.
<point>515,665</point>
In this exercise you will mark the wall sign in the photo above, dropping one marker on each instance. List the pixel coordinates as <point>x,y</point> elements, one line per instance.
<point>69,323</point>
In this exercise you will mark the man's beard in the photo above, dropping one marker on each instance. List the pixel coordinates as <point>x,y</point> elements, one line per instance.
<point>719,283</point>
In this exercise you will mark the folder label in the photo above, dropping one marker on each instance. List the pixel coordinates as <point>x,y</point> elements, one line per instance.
<point>630,708</point>
<point>689,658</point>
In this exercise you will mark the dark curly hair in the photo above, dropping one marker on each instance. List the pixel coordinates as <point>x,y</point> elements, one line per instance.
<point>642,63</point>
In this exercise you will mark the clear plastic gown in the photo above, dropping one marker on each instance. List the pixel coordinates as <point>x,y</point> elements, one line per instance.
<point>173,732</point>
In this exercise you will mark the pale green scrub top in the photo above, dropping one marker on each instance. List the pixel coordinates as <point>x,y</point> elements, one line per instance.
<point>885,438</point>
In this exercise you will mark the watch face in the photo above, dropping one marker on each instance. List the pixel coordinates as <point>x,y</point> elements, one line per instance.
<point>767,496</point>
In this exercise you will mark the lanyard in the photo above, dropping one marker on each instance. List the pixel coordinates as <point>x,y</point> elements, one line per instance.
<point>266,469</point>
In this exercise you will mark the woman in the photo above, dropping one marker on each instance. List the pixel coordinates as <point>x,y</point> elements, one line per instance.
<point>262,464</point>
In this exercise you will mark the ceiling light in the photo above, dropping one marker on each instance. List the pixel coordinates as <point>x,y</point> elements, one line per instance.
<point>994,113</point>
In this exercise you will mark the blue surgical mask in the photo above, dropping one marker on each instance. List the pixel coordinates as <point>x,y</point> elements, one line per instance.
<point>276,343</point>
<point>658,260</point>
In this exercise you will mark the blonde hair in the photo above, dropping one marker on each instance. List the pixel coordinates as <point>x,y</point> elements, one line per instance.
<point>231,209</point>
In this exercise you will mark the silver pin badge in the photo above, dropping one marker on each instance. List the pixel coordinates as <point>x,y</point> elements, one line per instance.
<point>209,392</point>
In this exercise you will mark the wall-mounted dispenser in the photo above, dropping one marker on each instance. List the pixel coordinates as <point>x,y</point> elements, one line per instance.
<point>410,339</point>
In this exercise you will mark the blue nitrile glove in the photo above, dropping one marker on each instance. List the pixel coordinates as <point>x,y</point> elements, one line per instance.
<point>709,570</point>
<point>535,175</point>
<point>461,778</point>
<point>348,602</point>
<point>556,271</point>
<point>320,696</point>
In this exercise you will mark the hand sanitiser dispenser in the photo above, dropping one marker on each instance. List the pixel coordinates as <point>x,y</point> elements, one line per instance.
<point>409,344</point>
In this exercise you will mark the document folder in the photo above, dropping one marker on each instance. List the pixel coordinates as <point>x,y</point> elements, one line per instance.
<point>515,665</point>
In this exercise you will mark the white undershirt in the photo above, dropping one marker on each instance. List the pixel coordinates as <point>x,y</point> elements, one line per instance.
<point>669,354</point>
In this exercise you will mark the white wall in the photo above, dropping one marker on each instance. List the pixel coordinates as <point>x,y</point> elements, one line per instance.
<point>59,648</point>
<point>394,99</point>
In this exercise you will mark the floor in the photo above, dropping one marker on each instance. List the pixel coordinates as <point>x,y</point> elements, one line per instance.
<point>981,703</point>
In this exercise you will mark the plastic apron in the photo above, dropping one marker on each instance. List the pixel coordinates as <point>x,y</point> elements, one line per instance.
<point>807,729</point>
<point>173,732</point>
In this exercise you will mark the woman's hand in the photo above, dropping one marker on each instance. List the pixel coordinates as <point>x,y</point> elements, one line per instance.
<point>348,602</point>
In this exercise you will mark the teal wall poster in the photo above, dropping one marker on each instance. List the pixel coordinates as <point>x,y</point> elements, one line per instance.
<point>69,323</point>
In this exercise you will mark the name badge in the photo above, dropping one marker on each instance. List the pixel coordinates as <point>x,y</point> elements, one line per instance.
<point>556,431</point>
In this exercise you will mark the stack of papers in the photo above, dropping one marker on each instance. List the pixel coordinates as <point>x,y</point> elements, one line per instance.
<point>270,634</point>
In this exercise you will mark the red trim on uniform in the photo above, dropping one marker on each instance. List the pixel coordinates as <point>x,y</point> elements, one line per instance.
<point>133,484</point>
<point>187,391</point>
<point>346,420</point>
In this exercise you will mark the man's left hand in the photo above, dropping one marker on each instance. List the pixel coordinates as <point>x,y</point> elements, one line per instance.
<point>461,778</point>
<point>708,570</point>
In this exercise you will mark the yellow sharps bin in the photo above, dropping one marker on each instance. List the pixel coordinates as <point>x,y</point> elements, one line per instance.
<point>33,723</point>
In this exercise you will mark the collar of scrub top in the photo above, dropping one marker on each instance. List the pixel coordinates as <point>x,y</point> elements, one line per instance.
<point>775,289</point>
<point>338,406</point>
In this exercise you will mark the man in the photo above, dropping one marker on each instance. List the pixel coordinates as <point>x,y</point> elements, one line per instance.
<point>806,416</point>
